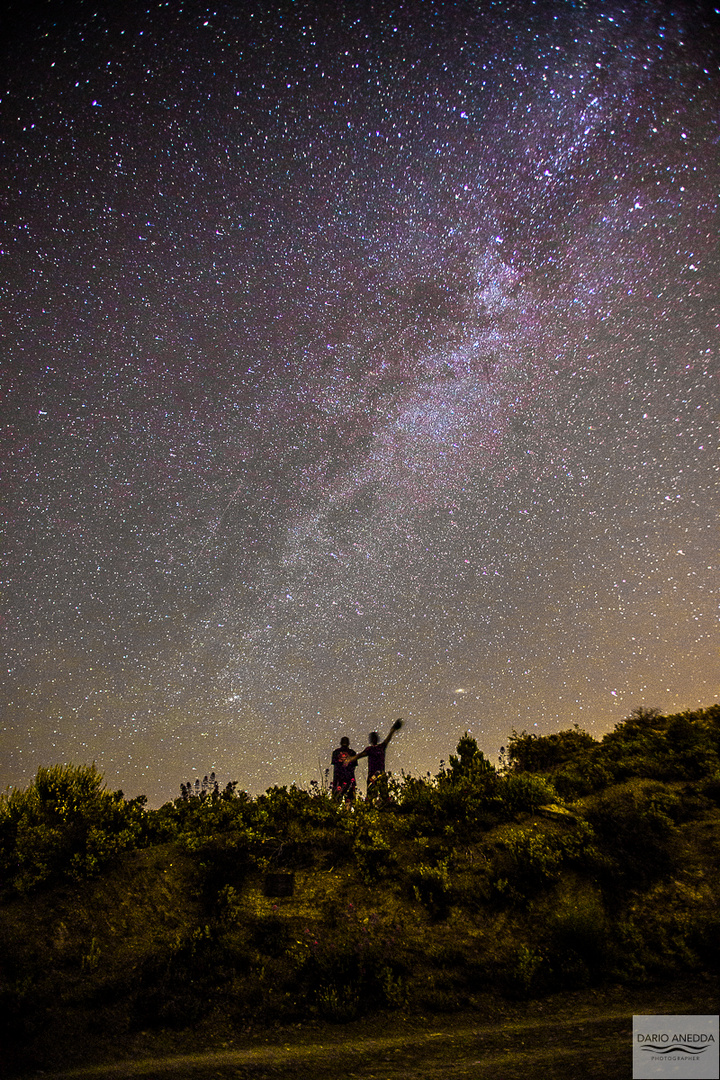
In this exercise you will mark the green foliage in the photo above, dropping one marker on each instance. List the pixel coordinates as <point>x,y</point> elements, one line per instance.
<point>352,968</point>
<point>204,816</point>
<point>270,935</point>
<point>530,859</point>
<point>431,886</point>
<point>471,793</point>
<point>577,931</point>
<point>703,933</point>
<point>372,853</point>
<point>470,801</point>
<point>281,809</point>
<point>621,887</point>
<point>572,758</point>
<point>522,793</point>
<point>684,746</point>
<point>543,753</point>
<point>636,825</point>
<point>177,985</point>
<point>65,824</point>
<point>417,797</point>
<point>710,787</point>
<point>469,762</point>
<point>522,971</point>
<point>465,791</point>
<point>581,776</point>
<point>383,790</point>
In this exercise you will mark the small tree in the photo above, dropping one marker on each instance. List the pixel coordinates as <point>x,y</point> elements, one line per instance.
<point>66,822</point>
<point>469,762</point>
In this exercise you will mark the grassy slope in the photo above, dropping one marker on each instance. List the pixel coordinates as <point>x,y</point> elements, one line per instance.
<point>172,949</point>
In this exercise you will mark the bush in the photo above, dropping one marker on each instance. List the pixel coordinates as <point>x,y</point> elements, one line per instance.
<point>577,934</point>
<point>636,826</point>
<point>530,859</point>
<point>542,753</point>
<point>281,809</point>
<point>578,778</point>
<point>522,972</point>
<point>469,762</point>
<point>519,792</point>
<point>431,886</point>
<point>351,970</point>
<point>65,824</point>
<point>684,746</point>
<point>178,985</point>
<point>464,794</point>
<point>203,816</point>
<point>373,855</point>
<point>417,795</point>
<point>710,787</point>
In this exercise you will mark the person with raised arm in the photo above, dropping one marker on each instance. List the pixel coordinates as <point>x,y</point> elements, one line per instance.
<point>375,753</point>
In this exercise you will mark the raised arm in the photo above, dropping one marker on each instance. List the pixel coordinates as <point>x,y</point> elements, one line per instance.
<point>396,727</point>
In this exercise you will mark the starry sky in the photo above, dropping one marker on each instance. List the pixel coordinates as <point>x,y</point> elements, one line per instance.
<point>360,360</point>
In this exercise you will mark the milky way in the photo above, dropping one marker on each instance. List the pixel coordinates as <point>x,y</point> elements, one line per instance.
<point>360,361</point>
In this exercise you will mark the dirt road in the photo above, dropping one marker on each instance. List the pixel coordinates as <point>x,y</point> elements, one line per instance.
<point>584,1047</point>
<point>573,1037</point>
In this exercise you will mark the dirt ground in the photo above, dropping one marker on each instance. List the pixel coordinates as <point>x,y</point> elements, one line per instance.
<point>568,1037</point>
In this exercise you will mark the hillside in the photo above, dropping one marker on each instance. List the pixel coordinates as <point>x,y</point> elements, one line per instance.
<point>579,865</point>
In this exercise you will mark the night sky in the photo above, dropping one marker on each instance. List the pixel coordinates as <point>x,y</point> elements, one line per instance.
<point>359,361</point>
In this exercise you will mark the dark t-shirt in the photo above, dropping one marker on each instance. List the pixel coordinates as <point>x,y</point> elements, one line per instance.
<point>376,759</point>
<point>343,775</point>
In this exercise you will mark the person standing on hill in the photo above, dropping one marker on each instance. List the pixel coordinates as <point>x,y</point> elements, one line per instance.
<point>375,753</point>
<point>344,763</point>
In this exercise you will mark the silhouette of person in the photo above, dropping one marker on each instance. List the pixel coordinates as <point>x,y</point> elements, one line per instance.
<point>375,753</point>
<point>344,763</point>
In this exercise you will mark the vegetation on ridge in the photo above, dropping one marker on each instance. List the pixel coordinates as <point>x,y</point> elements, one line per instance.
<point>577,862</point>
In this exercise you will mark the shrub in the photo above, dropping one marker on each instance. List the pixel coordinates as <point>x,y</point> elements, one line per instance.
<point>469,762</point>
<point>522,970</point>
<point>577,934</point>
<point>710,787</point>
<point>66,823</point>
<point>704,937</point>
<point>417,795</point>
<point>464,794</point>
<point>578,778</point>
<point>270,934</point>
<point>684,746</point>
<point>431,886</point>
<point>520,792</point>
<point>351,970</point>
<point>204,816</point>
<point>178,984</point>
<point>636,826</point>
<point>372,854</point>
<point>530,859</point>
<point>282,808</point>
<point>541,753</point>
